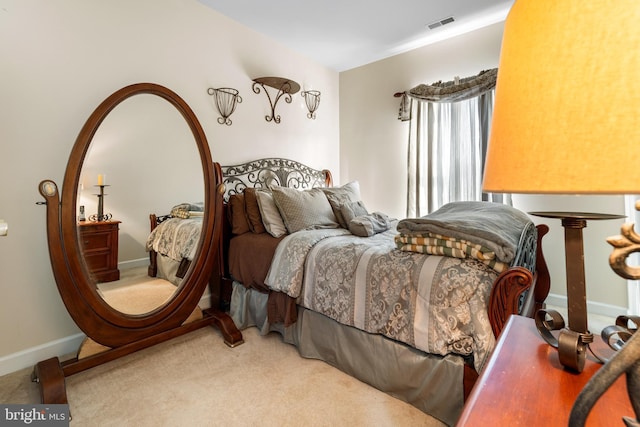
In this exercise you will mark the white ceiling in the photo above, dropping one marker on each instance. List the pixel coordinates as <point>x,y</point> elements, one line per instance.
<point>344,34</point>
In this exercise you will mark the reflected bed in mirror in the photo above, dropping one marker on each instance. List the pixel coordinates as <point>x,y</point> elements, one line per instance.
<point>173,240</point>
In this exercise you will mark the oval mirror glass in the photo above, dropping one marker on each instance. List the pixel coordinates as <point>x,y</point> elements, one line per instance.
<point>142,160</point>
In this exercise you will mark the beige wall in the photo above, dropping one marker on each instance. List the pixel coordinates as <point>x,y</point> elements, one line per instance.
<point>60,59</point>
<point>373,146</point>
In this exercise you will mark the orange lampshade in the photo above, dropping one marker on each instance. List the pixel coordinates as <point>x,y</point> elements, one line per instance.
<point>566,116</point>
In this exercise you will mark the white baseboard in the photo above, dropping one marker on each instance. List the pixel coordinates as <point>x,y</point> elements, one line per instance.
<point>29,357</point>
<point>596,308</point>
<point>60,347</point>
<point>141,262</point>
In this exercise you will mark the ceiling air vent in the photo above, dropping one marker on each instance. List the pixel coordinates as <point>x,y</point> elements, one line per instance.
<point>440,23</point>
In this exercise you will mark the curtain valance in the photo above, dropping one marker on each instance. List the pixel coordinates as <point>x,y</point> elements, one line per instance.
<point>458,89</point>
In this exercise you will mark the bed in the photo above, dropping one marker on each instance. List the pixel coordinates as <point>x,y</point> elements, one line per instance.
<point>278,273</point>
<point>173,240</point>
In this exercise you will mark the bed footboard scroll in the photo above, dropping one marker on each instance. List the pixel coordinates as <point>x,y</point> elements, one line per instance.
<point>506,296</point>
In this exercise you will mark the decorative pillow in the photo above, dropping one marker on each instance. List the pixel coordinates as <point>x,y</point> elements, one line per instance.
<point>253,211</point>
<point>338,196</point>
<point>351,210</point>
<point>238,214</point>
<point>304,209</point>
<point>368,225</point>
<point>270,214</point>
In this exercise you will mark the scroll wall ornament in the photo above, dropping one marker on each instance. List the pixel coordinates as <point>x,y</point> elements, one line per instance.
<point>312,99</point>
<point>284,87</point>
<point>226,100</point>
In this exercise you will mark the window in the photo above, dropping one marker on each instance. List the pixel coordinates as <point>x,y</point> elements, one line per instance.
<point>448,140</point>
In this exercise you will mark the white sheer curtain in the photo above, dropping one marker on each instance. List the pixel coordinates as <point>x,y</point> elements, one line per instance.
<point>447,144</point>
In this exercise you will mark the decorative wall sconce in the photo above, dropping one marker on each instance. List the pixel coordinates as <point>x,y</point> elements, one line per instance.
<point>226,99</point>
<point>312,99</point>
<point>285,87</point>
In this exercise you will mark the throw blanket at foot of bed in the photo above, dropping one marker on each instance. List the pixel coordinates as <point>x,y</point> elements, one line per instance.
<point>495,228</point>
<point>433,303</point>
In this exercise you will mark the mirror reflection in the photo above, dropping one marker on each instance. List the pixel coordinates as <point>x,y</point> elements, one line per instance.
<point>142,160</point>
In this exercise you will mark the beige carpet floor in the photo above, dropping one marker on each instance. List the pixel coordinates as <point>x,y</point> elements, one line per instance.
<point>196,380</point>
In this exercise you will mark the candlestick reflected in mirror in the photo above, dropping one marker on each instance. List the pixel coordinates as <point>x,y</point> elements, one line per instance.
<point>101,216</point>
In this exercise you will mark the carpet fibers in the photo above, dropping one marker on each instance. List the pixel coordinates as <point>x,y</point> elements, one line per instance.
<point>196,380</point>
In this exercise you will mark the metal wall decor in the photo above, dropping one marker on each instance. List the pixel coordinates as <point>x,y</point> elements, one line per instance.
<point>285,87</point>
<point>312,99</point>
<point>226,100</point>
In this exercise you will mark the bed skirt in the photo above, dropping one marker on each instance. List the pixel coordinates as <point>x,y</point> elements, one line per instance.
<point>432,383</point>
<point>168,269</point>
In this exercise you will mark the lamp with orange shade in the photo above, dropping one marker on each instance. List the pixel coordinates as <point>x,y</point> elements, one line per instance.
<point>566,121</point>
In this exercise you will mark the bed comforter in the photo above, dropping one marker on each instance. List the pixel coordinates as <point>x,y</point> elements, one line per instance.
<point>176,238</point>
<point>433,303</point>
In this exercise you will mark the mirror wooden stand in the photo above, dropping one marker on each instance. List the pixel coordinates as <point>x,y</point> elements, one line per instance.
<point>126,333</point>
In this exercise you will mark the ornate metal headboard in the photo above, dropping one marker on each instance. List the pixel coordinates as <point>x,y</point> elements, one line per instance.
<point>265,173</point>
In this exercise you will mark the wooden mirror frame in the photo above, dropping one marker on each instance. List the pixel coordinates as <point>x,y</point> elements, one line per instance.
<point>126,333</point>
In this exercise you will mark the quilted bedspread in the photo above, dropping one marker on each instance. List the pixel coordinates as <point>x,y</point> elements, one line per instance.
<point>434,303</point>
<point>176,238</point>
